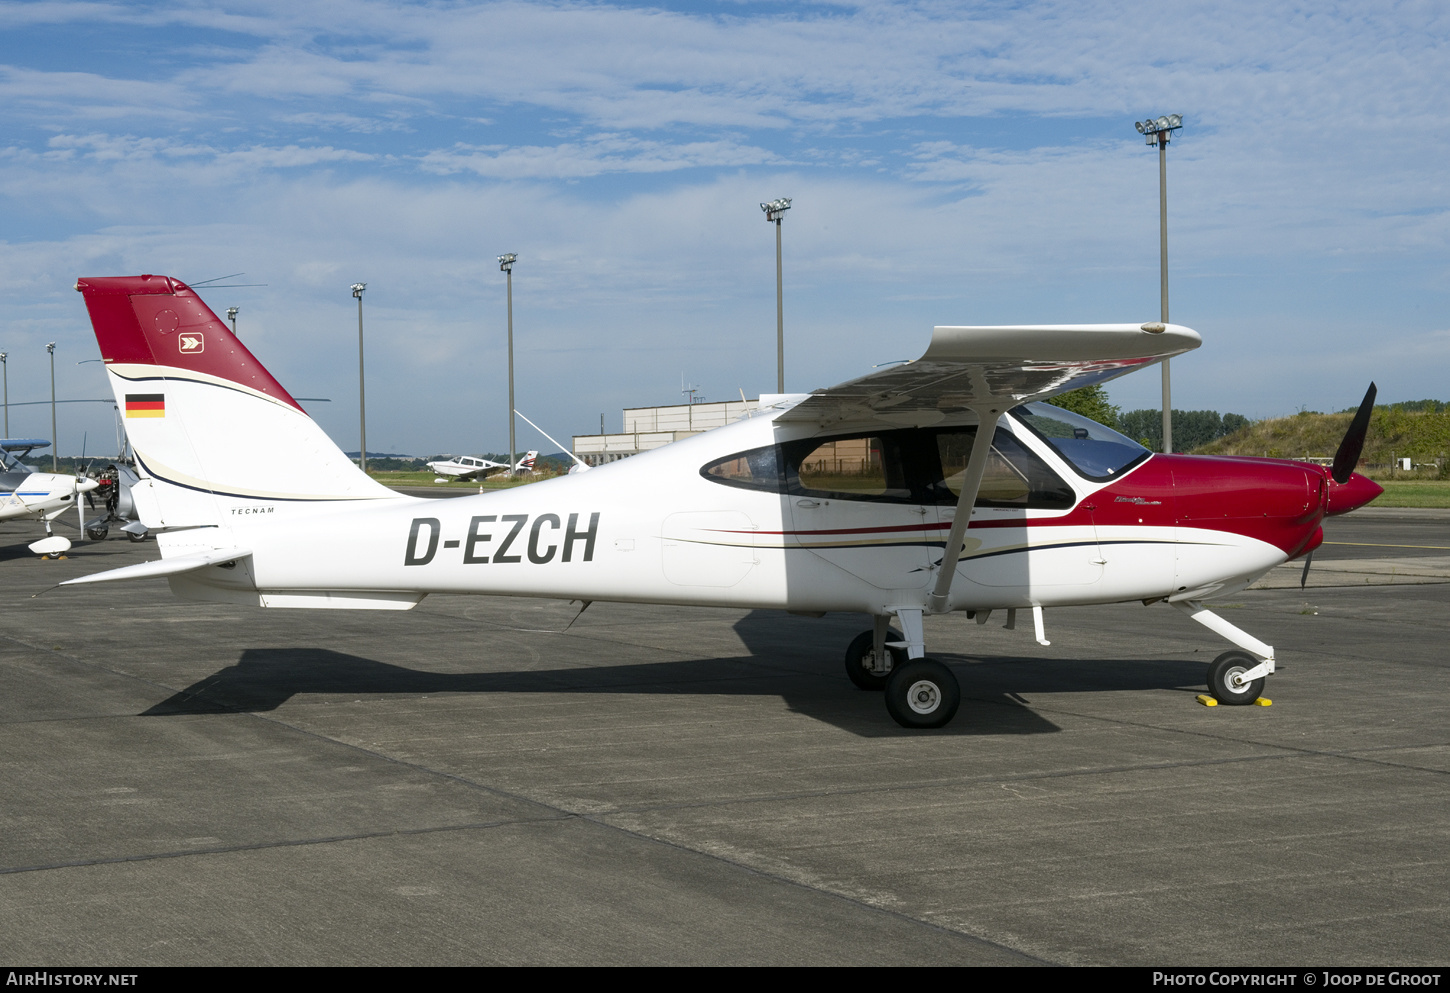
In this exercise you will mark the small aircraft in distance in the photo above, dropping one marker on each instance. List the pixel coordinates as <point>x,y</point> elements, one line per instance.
<point>42,495</point>
<point>942,485</point>
<point>466,467</point>
<point>112,496</point>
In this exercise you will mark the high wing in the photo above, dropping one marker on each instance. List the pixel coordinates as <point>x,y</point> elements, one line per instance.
<point>985,371</point>
<point>966,368</point>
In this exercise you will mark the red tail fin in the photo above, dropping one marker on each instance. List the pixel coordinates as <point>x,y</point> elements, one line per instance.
<point>160,321</point>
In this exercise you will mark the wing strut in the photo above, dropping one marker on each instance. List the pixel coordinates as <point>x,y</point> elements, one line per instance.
<point>987,417</point>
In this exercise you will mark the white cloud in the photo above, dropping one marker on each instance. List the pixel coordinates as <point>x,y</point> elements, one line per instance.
<point>345,122</point>
<point>596,155</point>
<point>93,97</point>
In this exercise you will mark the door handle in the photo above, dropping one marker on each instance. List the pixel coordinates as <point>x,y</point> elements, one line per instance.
<point>808,504</point>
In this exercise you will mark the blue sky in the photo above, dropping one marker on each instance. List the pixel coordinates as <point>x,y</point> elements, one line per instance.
<point>950,163</point>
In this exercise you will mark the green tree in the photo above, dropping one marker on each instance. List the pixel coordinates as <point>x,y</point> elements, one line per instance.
<point>1090,401</point>
<point>1192,429</point>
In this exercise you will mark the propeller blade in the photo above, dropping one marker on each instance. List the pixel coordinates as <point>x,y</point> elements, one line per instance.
<point>1348,455</point>
<point>1304,576</point>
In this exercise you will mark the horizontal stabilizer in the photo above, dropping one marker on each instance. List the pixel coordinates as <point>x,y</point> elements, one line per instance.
<point>164,567</point>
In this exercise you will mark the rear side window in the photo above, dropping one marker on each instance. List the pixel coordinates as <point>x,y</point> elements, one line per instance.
<point>758,469</point>
<point>869,467</point>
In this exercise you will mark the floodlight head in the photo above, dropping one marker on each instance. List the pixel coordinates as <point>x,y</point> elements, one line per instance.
<point>4,356</point>
<point>1160,130</point>
<point>1168,122</point>
<point>357,289</point>
<point>50,348</point>
<point>506,262</point>
<point>775,209</point>
<point>231,313</point>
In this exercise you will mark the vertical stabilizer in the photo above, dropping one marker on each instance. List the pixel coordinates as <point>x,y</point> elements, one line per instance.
<point>209,424</point>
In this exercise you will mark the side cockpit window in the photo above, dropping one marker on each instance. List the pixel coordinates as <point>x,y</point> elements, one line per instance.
<point>1094,450</point>
<point>1014,476</point>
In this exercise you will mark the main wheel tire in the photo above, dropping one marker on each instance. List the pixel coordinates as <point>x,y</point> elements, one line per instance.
<point>922,694</point>
<point>137,537</point>
<point>97,534</point>
<point>1226,684</point>
<point>860,659</point>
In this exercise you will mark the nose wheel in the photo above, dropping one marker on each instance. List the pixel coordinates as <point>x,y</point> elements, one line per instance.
<point>1226,679</point>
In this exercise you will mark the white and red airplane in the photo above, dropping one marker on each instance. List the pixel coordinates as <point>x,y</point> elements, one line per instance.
<point>467,467</point>
<point>941,485</point>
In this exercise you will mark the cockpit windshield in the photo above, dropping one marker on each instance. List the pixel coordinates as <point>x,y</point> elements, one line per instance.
<point>1094,450</point>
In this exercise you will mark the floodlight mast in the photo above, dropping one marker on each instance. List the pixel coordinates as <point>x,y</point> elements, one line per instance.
<point>232,316</point>
<point>362,415</point>
<point>506,265</point>
<point>54,446</point>
<point>5,375</point>
<point>1159,131</point>
<point>774,211</point>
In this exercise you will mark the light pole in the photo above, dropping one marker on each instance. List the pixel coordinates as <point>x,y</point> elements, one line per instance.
<point>506,265</point>
<point>362,404</point>
<point>1159,132</point>
<point>774,211</point>
<point>54,455</point>
<point>232,316</point>
<point>5,375</point>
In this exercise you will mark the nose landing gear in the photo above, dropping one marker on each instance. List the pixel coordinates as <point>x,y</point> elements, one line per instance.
<point>1234,678</point>
<point>1229,679</point>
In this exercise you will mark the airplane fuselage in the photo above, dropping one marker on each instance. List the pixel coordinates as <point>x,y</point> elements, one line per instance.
<point>1174,527</point>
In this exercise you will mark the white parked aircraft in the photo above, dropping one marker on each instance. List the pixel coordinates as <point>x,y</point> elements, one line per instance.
<point>466,467</point>
<point>940,485</point>
<point>42,495</point>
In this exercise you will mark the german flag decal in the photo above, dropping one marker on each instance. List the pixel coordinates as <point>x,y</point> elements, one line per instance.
<point>145,404</point>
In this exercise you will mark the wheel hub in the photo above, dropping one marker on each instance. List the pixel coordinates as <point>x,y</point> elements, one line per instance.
<point>924,696</point>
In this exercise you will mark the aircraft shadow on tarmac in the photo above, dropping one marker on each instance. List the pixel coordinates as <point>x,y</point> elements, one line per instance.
<point>264,679</point>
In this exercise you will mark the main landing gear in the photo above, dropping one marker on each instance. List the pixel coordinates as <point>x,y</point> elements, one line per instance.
<point>920,692</point>
<point>862,665</point>
<point>923,693</point>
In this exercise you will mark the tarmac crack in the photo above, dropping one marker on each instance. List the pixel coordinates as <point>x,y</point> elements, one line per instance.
<point>285,843</point>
